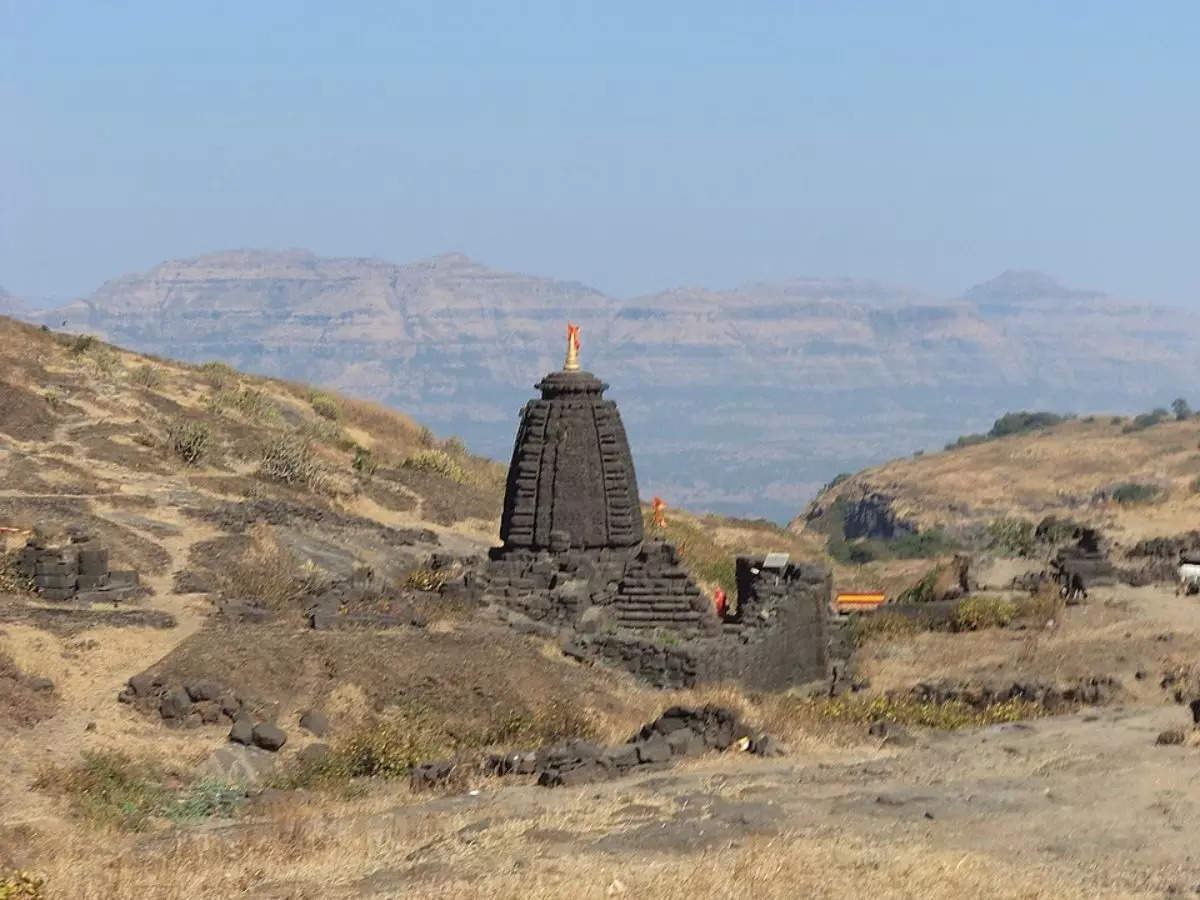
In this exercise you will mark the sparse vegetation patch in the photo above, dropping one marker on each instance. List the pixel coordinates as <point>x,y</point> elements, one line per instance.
<point>1132,492</point>
<point>953,715</point>
<point>110,789</point>
<point>189,440</point>
<point>437,461</point>
<point>290,460</point>
<point>977,612</point>
<point>325,406</point>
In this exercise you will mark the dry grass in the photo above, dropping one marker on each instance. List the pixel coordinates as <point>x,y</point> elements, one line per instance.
<point>322,853</point>
<point>266,573</point>
<point>1056,469</point>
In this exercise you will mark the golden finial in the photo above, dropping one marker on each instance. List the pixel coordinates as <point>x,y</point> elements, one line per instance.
<point>572,363</point>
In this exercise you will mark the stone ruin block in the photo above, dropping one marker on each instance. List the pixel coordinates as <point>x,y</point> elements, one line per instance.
<point>78,571</point>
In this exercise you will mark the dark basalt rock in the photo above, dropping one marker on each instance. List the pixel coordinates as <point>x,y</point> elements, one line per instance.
<point>571,481</point>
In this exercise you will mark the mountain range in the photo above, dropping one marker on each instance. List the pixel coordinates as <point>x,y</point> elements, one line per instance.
<point>741,401</point>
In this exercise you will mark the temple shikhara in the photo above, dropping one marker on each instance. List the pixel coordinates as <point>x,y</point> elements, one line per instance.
<point>575,561</point>
<point>571,483</point>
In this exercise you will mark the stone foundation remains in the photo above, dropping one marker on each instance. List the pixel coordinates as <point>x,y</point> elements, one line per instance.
<point>76,572</point>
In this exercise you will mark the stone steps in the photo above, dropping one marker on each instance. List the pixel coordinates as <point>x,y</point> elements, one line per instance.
<point>653,617</point>
<point>662,605</point>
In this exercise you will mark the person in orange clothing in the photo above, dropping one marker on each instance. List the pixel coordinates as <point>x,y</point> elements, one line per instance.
<point>660,519</point>
<point>719,602</point>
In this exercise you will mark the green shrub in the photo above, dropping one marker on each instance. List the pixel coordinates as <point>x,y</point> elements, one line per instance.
<point>922,545</point>
<point>205,799</point>
<point>325,406</point>
<point>977,612</point>
<point>1116,420</point>
<point>1146,420</point>
<point>438,462</point>
<point>1195,486</point>
<point>290,460</point>
<point>364,461</point>
<point>1021,422</point>
<point>1131,492</point>
<point>188,440</point>
<point>110,789</point>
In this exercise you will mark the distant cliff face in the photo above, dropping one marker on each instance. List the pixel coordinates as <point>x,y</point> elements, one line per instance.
<point>739,401</point>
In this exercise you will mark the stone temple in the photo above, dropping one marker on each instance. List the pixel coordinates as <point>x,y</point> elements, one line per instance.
<point>575,562</point>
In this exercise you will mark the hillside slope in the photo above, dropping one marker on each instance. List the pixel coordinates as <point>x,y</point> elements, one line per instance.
<point>1075,469</point>
<point>769,389</point>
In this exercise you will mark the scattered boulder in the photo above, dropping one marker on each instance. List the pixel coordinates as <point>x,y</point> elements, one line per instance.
<point>314,755</point>
<point>1170,736</point>
<point>268,736</point>
<point>200,691</point>
<point>430,774</point>
<point>242,731</point>
<point>174,705</point>
<point>40,683</point>
<point>314,722</point>
<point>236,764</point>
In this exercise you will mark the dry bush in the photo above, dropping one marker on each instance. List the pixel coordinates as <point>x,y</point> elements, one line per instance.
<point>268,574</point>
<point>146,376</point>
<point>188,440</point>
<point>325,405</point>
<point>290,459</point>
<point>218,374</point>
<point>252,403</point>
<point>976,612</point>
<point>951,715</point>
<point>1043,606</point>
<point>424,578</point>
<point>21,885</point>
<point>439,462</point>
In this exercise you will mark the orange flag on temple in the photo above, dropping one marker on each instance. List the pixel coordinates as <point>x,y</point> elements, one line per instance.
<point>573,335</point>
<point>660,520</point>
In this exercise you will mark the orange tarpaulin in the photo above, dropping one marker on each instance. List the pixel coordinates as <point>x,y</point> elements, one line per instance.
<point>859,600</point>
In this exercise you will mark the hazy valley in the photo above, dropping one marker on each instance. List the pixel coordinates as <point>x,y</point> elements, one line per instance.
<point>741,402</point>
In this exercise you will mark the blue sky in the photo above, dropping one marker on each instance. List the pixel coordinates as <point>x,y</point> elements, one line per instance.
<point>632,146</point>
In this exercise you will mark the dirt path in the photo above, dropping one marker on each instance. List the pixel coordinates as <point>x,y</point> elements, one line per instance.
<point>89,670</point>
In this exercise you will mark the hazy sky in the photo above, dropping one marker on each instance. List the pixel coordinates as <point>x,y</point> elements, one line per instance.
<point>630,145</point>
